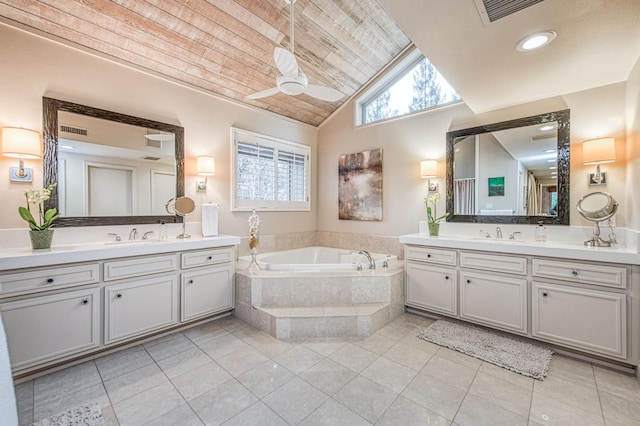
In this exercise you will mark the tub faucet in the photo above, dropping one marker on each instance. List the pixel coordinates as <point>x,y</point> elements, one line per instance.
<point>133,234</point>
<point>372,263</point>
<point>498,233</point>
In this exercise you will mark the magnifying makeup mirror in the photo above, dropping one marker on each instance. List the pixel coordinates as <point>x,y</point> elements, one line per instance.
<point>597,207</point>
<point>181,206</point>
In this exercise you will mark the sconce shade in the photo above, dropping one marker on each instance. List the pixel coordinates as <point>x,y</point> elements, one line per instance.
<point>597,151</point>
<point>206,166</point>
<point>24,143</point>
<point>428,169</point>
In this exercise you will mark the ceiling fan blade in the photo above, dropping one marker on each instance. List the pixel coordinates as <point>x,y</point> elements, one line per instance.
<point>286,62</point>
<point>323,93</point>
<point>264,93</point>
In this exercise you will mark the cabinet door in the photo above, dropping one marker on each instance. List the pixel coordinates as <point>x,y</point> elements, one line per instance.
<point>431,288</point>
<point>41,329</point>
<point>138,307</point>
<point>207,291</point>
<point>591,320</point>
<point>494,300</point>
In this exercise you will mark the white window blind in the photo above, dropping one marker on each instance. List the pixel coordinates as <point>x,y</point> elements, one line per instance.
<point>269,174</point>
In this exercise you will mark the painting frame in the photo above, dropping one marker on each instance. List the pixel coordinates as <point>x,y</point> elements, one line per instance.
<point>360,186</point>
<point>495,186</point>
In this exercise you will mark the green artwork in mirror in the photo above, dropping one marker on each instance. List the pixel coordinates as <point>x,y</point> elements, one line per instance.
<point>496,186</point>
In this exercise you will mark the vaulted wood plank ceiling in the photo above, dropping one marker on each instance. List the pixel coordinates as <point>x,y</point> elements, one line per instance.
<point>226,46</point>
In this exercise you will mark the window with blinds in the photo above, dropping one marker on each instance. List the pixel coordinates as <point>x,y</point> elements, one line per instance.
<point>269,174</point>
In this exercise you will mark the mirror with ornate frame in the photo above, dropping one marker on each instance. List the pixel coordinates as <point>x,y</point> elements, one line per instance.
<point>499,172</point>
<point>114,158</point>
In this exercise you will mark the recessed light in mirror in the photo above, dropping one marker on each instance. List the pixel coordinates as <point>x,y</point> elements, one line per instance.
<point>549,150</point>
<point>547,128</point>
<point>554,167</point>
<point>535,41</point>
<point>553,160</point>
<point>66,147</point>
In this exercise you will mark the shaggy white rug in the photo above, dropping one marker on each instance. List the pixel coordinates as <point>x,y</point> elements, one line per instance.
<point>85,415</point>
<point>492,346</point>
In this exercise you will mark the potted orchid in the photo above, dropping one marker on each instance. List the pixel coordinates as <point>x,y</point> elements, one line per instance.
<point>434,220</point>
<point>40,232</point>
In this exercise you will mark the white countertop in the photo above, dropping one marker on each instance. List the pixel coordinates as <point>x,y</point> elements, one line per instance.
<point>567,250</point>
<point>25,257</point>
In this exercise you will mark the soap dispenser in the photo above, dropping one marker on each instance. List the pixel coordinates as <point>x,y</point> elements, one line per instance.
<point>164,233</point>
<point>541,232</point>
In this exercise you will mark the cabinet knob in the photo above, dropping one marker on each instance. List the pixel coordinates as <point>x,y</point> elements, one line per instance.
<point>545,294</point>
<point>468,281</point>
<point>118,295</point>
<point>49,280</point>
<point>446,277</point>
<point>428,255</point>
<point>575,272</point>
<point>209,258</point>
<point>190,282</point>
<point>85,301</point>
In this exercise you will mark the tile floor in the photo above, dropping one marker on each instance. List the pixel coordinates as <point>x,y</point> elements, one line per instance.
<point>226,372</point>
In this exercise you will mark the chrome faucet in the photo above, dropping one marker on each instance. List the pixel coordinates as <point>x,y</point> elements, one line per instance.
<point>133,234</point>
<point>512,236</point>
<point>372,263</point>
<point>498,233</point>
<point>145,236</point>
<point>486,234</point>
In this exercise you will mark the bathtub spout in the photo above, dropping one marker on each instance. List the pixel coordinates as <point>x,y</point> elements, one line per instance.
<point>372,263</point>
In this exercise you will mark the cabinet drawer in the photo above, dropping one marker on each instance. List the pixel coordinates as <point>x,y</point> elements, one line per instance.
<point>194,259</point>
<point>45,328</point>
<point>591,320</point>
<point>139,307</point>
<point>608,276</point>
<point>206,291</point>
<point>118,269</point>
<point>494,263</point>
<point>428,254</point>
<point>46,279</point>
<point>494,300</point>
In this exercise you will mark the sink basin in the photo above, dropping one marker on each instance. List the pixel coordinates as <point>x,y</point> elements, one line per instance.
<point>131,243</point>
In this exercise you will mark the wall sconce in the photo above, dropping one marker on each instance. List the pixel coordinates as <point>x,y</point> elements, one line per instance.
<point>598,151</point>
<point>20,143</point>
<point>429,170</point>
<point>205,166</point>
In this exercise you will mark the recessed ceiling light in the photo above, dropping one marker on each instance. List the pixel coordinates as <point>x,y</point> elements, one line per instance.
<point>553,160</point>
<point>535,41</point>
<point>553,168</point>
<point>549,150</point>
<point>67,147</point>
<point>547,128</point>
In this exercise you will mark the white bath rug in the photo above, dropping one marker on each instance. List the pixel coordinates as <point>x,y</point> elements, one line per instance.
<point>492,346</point>
<point>85,415</point>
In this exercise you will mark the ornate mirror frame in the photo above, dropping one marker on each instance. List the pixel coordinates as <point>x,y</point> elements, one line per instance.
<point>50,108</point>
<point>562,218</point>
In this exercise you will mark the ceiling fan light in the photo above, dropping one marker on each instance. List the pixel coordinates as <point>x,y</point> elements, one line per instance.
<point>535,40</point>
<point>292,88</point>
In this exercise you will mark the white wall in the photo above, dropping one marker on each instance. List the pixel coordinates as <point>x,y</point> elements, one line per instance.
<point>495,161</point>
<point>33,67</point>
<point>632,199</point>
<point>405,141</point>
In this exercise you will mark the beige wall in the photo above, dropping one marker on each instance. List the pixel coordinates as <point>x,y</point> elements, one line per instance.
<point>405,141</point>
<point>33,67</point>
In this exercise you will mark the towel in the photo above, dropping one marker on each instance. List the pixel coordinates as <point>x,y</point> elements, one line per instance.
<point>209,220</point>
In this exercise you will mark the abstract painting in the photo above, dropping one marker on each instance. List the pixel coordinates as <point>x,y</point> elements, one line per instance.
<point>360,186</point>
<point>496,186</point>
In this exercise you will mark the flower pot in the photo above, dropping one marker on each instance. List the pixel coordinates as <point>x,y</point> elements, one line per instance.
<point>41,240</point>
<point>434,227</point>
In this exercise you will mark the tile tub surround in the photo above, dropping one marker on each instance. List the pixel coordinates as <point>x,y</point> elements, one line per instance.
<point>290,305</point>
<point>227,372</point>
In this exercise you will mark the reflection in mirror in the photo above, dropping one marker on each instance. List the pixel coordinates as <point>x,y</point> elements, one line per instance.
<point>510,172</point>
<point>111,168</point>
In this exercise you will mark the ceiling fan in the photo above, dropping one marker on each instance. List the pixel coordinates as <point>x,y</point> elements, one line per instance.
<point>292,81</point>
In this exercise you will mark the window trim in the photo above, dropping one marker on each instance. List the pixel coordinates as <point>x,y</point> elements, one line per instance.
<point>389,77</point>
<point>238,204</point>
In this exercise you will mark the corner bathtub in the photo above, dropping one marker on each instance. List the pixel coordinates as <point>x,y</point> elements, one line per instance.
<point>318,258</point>
<point>319,292</point>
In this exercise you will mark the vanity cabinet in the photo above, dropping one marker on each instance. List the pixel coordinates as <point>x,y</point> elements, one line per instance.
<point>47,327</point>
<point>579,305</point>
<point>59,313</point>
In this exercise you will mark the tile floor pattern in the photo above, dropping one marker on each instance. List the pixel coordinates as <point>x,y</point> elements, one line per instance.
<point>226,372</point>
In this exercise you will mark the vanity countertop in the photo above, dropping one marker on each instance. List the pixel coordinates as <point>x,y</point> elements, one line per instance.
<point>567,250</point>
<point>25,257</point>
